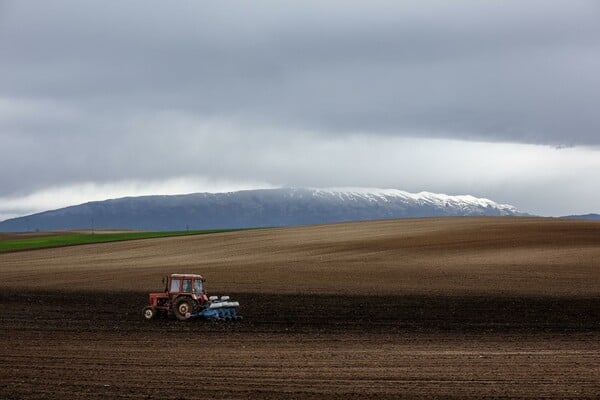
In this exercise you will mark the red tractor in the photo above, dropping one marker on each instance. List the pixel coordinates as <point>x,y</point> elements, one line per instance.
<point>185,297</point>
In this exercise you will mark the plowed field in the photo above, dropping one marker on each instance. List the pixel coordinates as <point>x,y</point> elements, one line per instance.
<point>433,308</point>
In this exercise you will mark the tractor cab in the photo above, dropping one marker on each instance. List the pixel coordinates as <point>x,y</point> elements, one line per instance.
<point>186,284</point>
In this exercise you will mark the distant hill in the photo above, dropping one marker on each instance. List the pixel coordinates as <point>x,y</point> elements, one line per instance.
<point>585,216</point>
<point>256,208</point>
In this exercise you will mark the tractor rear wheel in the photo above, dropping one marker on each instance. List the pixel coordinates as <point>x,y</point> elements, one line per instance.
<point>184,308</point>
<point>149,313</point>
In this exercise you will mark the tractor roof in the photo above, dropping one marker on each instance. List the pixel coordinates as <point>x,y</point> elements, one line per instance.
<point>186,276</point>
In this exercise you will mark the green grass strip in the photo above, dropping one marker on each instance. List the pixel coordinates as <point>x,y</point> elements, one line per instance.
<point>83,238</point>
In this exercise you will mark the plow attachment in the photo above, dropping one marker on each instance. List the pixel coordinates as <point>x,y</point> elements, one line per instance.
<point>220,309</point>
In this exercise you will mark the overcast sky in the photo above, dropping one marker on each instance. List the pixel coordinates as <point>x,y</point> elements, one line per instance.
<point>497,99</point>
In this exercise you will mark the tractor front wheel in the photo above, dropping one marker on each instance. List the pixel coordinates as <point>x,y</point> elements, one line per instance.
<point>184,308</point>
<point>149,313</point>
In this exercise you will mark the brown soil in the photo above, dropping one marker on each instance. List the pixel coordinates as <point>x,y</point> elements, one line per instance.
<point>440,308</point>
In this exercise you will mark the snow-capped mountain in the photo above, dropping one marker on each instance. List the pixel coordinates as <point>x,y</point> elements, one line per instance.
<point>467,203</point>
<point>257,208</point>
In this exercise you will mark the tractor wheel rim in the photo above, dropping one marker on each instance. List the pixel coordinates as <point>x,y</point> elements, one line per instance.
<point>148,314</point>
<point>183,309</point>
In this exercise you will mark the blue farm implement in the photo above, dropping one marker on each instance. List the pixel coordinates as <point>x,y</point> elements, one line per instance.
<point>184,297</point>
<point>220,310</point>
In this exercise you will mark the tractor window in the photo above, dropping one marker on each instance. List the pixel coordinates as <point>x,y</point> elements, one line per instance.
<point>174,285</point>
<point>187,285</point>
<point>197,286</point>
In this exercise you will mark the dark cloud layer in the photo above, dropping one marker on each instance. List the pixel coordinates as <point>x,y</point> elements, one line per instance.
<point>97,91</point>
<point>499,71</point>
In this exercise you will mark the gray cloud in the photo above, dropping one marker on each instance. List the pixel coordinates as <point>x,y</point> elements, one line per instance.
<point>499,71</point>
<point>97,91</point>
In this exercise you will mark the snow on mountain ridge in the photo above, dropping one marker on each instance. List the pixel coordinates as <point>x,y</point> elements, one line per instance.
<point>436,199</point>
